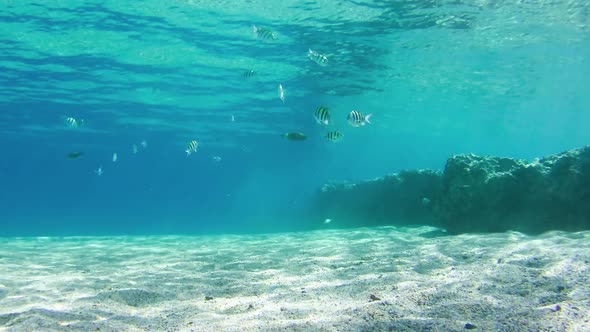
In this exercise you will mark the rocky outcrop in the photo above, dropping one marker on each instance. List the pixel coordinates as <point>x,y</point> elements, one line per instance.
<point>473,194</point>
<point>490,194</point>
<point>404,198</point>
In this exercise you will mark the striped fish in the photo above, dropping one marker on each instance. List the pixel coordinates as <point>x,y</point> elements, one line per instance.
<point>191,147</point>
<point>322,115</point>
<point>318,58</point>
<point>334,136</point>
<point>248,74</point>
<point>263,33</point>
<point>357,119</point>
<point>71,122</point>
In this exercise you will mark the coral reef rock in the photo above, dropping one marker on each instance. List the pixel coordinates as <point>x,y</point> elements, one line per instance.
<point>401,199</point>
<point>491,194</point>
<point>473,194</point>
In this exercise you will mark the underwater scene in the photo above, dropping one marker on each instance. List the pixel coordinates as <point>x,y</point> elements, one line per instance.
<point>331,165</point>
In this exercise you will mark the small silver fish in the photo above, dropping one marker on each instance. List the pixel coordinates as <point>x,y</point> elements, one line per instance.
<point>143,144</point>
<point>233,118</point>
<point>98,171</point>
<point>115,157</point>
<point>217,158</point>
<point>263,33</point>
<point>281,93</point>
<point>318,58</point>
<point>322,115</point>
<point>357,119</point>
<point>135,149</point>
<point>334,136</point>
<point>191,147</point>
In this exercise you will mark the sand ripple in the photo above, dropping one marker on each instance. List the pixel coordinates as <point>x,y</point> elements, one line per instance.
<point>332,280</point>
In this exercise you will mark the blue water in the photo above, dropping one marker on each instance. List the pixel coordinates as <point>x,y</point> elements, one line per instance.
<point>440,77</point>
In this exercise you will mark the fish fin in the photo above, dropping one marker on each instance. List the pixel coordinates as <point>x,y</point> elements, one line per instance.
<point>367,117</point>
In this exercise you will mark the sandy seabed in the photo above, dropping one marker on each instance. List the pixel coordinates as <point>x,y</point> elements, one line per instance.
<point>368,279</point>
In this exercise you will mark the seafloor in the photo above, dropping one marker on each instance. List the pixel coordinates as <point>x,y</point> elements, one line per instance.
<point>411,279</point>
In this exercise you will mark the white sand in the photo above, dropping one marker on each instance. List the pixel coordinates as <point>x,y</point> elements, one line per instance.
<point>317,281</point>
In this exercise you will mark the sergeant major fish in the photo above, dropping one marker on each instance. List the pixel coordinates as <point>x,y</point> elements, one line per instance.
<point>191,147</point>
<point>248,74</point>
<point>263,33</point>
<point>73,123</point>
<point>318,58</point>
<point>334,136</point>
<point>322,115</point>
<point>357,119</point>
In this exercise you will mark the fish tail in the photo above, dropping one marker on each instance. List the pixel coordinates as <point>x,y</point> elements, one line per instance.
<point>368,117</point>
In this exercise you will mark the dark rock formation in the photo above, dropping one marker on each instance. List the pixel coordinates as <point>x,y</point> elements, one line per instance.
<point>473,194</point>
<point>491,194</point>
<point>404,198</point>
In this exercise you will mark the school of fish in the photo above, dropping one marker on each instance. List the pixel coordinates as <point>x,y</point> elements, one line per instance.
<point>322,113</point>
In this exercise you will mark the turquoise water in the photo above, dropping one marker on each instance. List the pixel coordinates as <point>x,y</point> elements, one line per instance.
<point>439,77</point>
<point>106,223</point>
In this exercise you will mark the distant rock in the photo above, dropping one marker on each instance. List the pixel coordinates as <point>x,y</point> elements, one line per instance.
<point>395,198</point>
<point>473,194</point>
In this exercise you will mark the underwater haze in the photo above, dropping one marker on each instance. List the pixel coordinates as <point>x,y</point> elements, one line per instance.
<point>231,165</point>
<point>504,78</point>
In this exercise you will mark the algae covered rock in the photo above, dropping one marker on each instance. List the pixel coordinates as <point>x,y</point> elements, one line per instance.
<point>397,199</point>
<point>492,194</point>
<point>473,194</point>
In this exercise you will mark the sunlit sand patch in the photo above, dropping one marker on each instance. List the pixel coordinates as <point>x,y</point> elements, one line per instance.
<point>370,278</point>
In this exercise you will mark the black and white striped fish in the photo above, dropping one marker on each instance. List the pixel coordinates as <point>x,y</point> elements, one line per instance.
<point>318,58</point>
<point>73,123</point>
<point>322,115</point>
<point>334,136</point>
<point>263,33</point>
<point>357,119</point>
<point>248,74</point>
<point>191,147</point>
